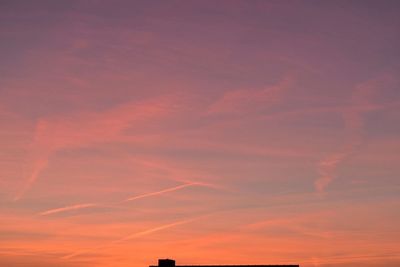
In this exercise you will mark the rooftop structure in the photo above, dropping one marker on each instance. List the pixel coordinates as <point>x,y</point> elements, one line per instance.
<point>171,263</point>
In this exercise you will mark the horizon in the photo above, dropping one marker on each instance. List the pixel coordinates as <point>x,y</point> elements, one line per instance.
<point>172,263</point>
<point>225,132</point>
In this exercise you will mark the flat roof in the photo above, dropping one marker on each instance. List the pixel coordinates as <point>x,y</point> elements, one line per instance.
<point>268,265</point>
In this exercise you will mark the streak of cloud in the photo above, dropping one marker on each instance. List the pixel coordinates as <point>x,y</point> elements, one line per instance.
<point>360,103</point>
<point>175,172</point>
<point>153,230</point>
<point>131,236</point>
<point>172,189</point>
<point>52,135</point>
<point>68,208</point>
<point>151,194</point>
<point>38,167</point>
<point>248,100</point>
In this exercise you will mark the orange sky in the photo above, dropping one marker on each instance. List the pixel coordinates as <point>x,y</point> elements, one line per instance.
<point>225,132</point>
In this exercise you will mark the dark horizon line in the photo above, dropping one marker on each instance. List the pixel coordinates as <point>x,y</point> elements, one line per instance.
<point>171,263</point>
<point>234,265</point>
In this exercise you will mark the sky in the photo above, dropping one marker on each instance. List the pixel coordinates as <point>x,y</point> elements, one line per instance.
<point>222,132</point>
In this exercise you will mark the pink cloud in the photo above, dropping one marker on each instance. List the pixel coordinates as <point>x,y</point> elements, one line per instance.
<point>56,134</point>
<point>361,102</point>
<point>245,100</point>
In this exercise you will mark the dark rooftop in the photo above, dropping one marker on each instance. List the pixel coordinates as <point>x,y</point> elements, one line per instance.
<point>171,263</point>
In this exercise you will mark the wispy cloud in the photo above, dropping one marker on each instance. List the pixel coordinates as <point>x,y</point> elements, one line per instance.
<point>68,208</point>
<point>131,236</point>
<point>172,189</point>
<point>38,166</point>
<point>153,230</point>
<point>55,134</point>
<point>243,100</point>
<point>115,205</point>
<point>360,103</point>
<point>119,122</point>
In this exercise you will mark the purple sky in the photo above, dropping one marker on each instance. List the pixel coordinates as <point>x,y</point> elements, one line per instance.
<point>205,131</point>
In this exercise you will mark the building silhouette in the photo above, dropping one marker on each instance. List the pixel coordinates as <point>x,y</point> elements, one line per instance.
<point>171,263</point>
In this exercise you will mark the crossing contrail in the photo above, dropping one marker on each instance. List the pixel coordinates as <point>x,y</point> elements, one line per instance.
<point>88,205</point>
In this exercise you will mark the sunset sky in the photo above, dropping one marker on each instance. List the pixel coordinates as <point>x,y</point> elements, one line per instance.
<point>224,132</point>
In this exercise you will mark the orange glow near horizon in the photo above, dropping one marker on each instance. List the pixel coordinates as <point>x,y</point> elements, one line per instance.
<point>210,132</point>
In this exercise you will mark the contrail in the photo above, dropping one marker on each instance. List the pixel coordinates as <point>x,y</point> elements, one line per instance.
<point>40,165</point>
<point>50,133</point>
<point>163,191</point>
<point>153,230</point>
<point>87,205</point>
<point>208,185</point>
<point>68,208</point>
<point>131,236</point>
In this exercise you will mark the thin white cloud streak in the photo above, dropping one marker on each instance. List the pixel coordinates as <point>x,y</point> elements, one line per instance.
<point>175,173</point>
<point>172,189</point>
<point>68,208</point>
<point>38,167</point>
<point>327,169</point>
<point>151,194</point>
<point>131,236</point>
<point>153,230</point>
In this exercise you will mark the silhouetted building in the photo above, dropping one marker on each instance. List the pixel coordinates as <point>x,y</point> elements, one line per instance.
<point>171,263</point>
